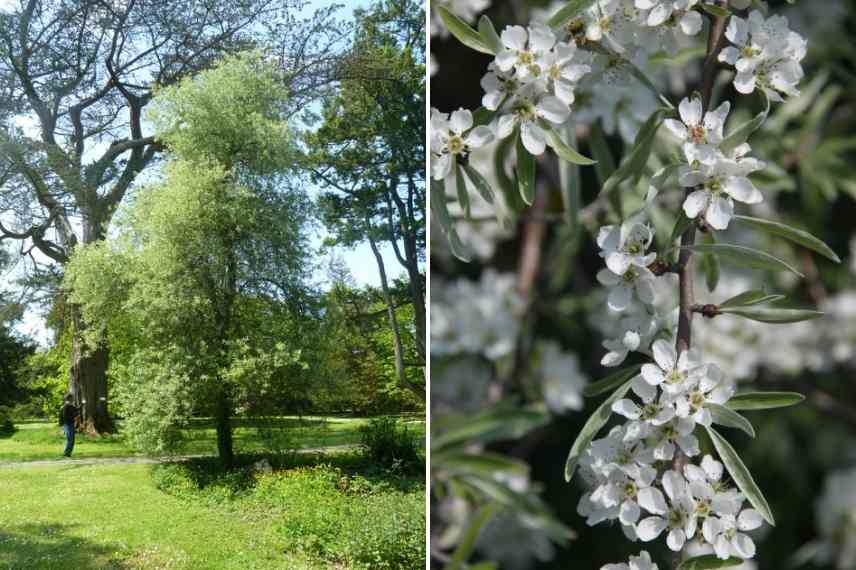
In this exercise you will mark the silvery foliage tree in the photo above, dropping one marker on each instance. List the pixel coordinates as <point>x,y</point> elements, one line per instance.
<point>647,473</point>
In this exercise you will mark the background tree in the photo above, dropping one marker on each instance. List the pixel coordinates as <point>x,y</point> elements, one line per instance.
<point>369,152</point>
<point>201,253</point>
<point>75,79</point>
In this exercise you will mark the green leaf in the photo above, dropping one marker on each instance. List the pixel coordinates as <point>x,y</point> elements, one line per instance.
<point>795,235</point>
<point>745,256</point>
<point>496,423</point>
<point>605,164</point>
<point>468,541</point>
<point>715,10</point>
<point>440,214</point>
<point>484,464</point>
<point>590,429</point>
<point>772,315</point>
<point>709,562</point>
<point>764,400</point>
<point>681,225</point>
<point>741,475</point>
<point>569,182</point>
<point>483,116</point>
<point>739,135</point>
<point>748,298</point>
<point>461,30</point>
<point>463,194</point>
<point>564,151</point>
<point>479,182</point>
<point>710,265</point>
<point>489,35</point>
<point>729,418</point>
<point>612,381</point>
<point>568,12</point>
<point>634,162</point>
<point>506,185</point>
<point>525,172</point>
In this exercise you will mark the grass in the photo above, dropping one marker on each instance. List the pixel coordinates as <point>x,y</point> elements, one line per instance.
<point>343,514</point>
<point>43,440</point>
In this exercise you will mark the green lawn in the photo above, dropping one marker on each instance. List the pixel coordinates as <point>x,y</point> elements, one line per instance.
<point>42,440</point>
<point>120,517</point>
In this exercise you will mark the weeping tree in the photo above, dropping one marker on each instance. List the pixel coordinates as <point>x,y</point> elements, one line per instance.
<point>369,154</point>
<point>196,255</point>
<point>75,79</point>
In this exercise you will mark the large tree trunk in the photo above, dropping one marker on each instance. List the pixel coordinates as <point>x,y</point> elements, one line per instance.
<point>88,381</point>
<point>224,429</point>
<point>398,346</point>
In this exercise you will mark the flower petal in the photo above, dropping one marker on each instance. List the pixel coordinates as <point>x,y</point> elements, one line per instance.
<point>695,203</point>
<point>628,513</point>
<point>676,539</point>
<point>719,213</point>
<point>749,519</point>
<point>664,354</point>
<point>461,120</point>
<point>652,374</point>
<point>690,110</point>
<point>651,499</point>
<point>650,528</point>
<point>533,137</point>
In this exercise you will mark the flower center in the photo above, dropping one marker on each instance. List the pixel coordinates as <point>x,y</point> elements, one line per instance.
<point>697,400</point>
<point>703,508</point>
<point>525,58</point>
<point>668,432</point>
<point>650,411</point>
<point>696,134</point>
<point>555,72</point>
<point>630,490</point>
<point>675,377</point>
<point>676,518</point>
<point>713,186</point>
<point>457,145</point>
<point>749,51</point>
<point>525,111</point>
<point>634,247</point>
<point>605,23</point>
<point>624,457</point>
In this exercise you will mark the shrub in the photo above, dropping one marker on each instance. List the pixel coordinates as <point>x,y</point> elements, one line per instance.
<point>389,444</point>
<point>6,426</point>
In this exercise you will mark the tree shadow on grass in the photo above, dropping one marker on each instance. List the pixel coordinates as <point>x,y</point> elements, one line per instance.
<point>47,546</point>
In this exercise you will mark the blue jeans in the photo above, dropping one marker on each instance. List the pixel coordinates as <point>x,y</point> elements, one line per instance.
<point>68,429</point>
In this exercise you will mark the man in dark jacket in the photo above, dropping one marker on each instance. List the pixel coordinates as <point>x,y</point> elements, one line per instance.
<point>66,419</point>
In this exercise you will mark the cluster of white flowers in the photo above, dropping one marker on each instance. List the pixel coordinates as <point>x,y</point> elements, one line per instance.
<point>561,378</point>
<point>835,513</point>
<point>641,562</point>
<point>630,471</point>
<point>715,178</point>
<point>631,287</point>
<point>766,54</point>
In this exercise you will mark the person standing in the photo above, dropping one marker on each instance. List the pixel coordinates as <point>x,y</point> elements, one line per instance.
<point>67,415</point>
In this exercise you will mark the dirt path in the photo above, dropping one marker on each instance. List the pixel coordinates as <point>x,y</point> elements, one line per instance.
<point>144,460</point>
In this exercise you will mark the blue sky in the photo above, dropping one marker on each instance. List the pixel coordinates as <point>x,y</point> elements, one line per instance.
<point>360,260</point>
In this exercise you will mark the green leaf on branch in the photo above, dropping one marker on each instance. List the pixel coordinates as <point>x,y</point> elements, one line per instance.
<point>600,149</point>
<point>612,381</point>
<point>463,32</point>
<point>634,162</point>
<point>710,265</point>
<point>461,185</point>
<point>739,135</point>
<point>749,298</point>
<point>729,418</point>
<point>564,151</point>
<point>489,35</point>
<point>772,315</point>
<point>715,10</point>
<point>764,400</point>
<point>681,225</point>
<point>440,214</point>
<point>795,235</point>
<point>597,420</point>
<point>525,172</point>
<point>483,116</point>
<point>745,256</point>
<point>569,182</point>
<point>504,421</point>
<point>568,12</point>
<point>709,562</point>
<point>508,187</point>
<point>468,542</point>
<point>741,476</point>
<point>479,182</point>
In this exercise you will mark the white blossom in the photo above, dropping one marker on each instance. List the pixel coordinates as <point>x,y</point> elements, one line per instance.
<point>699,135</point>
<point>765,54</point>
<point>717,184</point>
<point>678,516</point>
<point>452,138</point>
<point>711,388</point>
<point>674,374</point>
<point>625,245</point>
<point>727,533</point>
<point>561,378</point>
<point>641,562</point>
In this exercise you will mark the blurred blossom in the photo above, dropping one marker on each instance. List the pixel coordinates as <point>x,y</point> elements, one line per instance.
<point>515,541</point>
<point>835,516</point>
<point>561,378</point>
<point>460,384</point>
<point>480,317</point>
